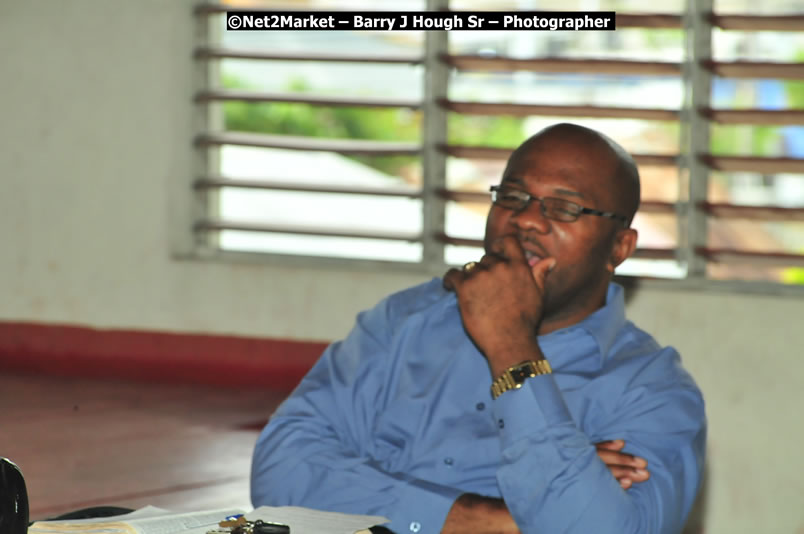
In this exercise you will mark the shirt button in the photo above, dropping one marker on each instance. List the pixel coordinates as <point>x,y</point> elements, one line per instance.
<point>480,406</point>
<point>501,423</point>
<point>415,526</point>
<point>449,461</point>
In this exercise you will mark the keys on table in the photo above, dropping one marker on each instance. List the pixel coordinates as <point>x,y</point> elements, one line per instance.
<point>241,526</point>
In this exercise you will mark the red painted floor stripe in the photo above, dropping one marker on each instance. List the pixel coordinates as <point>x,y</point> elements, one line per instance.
<point>155,356</point>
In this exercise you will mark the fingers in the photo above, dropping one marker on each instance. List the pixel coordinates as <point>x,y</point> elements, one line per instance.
<point>488,260</point>
<point>626,468</point>
<point>452,279</point>
<point>611,457</point>
<point>511,249</point>
<point>611,445</point>
<point>621,472</point>
<point>628,476</point>
<point>541,268</point>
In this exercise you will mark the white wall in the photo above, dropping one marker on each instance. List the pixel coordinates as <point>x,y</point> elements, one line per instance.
<point>746,354</point>
<point>95,125</point>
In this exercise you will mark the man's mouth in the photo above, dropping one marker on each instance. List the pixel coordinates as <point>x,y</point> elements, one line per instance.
<point>532,258</point>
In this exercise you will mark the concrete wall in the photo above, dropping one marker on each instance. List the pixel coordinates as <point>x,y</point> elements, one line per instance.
<point>95,128</point>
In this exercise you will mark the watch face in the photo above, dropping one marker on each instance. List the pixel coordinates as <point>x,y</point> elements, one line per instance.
<point>520,374</point>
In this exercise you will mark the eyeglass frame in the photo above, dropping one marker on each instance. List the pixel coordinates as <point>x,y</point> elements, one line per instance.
<point>528,199</point>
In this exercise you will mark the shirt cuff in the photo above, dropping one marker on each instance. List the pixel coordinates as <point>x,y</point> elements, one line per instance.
<point>537,405</point>
<point>423,508</point>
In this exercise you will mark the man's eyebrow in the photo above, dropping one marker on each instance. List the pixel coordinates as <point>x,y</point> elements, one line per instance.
<point>515,179</point>
<point>569,192</point>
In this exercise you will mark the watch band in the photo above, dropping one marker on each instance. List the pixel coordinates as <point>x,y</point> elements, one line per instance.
<point>515,376</point>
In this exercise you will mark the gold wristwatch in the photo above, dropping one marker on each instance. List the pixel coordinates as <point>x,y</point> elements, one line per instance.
<point>515,376</point>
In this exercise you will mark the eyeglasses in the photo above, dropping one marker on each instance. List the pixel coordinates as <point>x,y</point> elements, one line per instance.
<point>557,209</point>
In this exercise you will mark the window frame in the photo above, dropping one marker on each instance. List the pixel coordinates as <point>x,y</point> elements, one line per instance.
<point>694,118</point>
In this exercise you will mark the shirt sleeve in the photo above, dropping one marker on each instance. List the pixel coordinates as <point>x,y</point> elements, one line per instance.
<point>314,450</point>
<point>553,481</point>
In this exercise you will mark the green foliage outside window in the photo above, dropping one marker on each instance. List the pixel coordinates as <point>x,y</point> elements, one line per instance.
<point>377,124</point>
<point>283,118</point>
<point>795,88</point>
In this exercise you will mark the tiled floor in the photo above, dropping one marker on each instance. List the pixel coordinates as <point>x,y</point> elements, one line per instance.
<point>82,443</point>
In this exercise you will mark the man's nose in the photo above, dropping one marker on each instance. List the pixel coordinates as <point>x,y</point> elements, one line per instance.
<point>532,218</point>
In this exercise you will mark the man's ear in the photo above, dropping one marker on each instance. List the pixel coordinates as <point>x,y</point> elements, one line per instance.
<point>624,245</point>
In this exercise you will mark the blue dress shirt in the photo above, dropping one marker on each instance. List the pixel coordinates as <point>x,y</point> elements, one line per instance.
<point>397,420</point>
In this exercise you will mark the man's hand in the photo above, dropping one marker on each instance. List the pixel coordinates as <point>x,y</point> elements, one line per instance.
<point>501,303</point>
<point>487,515</point>
<point>479,515</point>
<point>626,468</point>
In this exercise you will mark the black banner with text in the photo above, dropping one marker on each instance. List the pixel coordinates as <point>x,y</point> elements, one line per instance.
<point>421,20</point>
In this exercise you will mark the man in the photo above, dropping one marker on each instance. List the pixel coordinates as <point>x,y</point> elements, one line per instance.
<point>398,419</point>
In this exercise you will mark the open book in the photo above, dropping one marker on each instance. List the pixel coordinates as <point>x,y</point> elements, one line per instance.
<point>152,520</point>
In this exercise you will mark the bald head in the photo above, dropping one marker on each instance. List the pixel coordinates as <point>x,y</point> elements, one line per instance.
<point>615,165</point>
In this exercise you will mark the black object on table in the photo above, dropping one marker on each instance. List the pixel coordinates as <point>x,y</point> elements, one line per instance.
<point>13,499</point>
<point>92,513</point>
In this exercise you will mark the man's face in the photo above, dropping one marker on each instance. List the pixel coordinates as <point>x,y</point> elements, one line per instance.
<point>583,249</point>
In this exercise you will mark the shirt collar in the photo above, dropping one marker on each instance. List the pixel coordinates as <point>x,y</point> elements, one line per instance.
<point>605,323</point>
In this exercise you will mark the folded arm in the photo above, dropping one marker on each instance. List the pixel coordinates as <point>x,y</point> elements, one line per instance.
<point>552,480</point>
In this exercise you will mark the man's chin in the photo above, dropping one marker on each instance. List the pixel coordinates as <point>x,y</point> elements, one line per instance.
<point>549,303</point>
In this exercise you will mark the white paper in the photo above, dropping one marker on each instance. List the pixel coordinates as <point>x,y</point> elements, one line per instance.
<point>152,520</point>
<point>148,520</point>
<point>308,521</point>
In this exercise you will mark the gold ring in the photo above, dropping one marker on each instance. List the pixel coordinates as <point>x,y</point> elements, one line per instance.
<point>469,267</point>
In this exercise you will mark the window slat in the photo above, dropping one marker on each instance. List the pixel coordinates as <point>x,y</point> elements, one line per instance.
<point>585,66</point>
<point>655,206</point>
<point>655,253</point>
<point>756,69</point>
<point>227,95</point>
<point>209,225</point>
<point>526,110</point>
<point>760,259</point>
<point>792,117</point>
<point>753,164</point>
<point>777,23</point>
<point>477,152</point>
<point>764,213</point>
<point>460,241</point>
<point>231,53</point>
<point>340,146</point>
<point>217,182</point>
<point>648,20</point>
<point>218,8</point>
